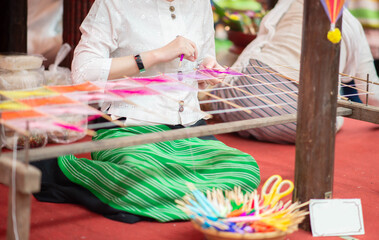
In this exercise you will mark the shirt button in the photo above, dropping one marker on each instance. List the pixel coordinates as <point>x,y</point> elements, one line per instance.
<point>181,103</point>
<point>181,109</point>
<point>173,16</point>
<point>172,8</point>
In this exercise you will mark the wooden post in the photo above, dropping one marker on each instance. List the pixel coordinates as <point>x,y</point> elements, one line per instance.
<point>13,28</point>
<point>74,12</point>
<point>13,25</point>
<point>318,89</point>
<point>20,221</point>
<point>23,180</point>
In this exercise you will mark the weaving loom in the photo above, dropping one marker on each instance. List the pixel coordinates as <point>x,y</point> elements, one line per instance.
<point>37,108</point>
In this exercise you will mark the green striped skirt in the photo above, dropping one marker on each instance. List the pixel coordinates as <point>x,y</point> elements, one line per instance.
<point>146,179</point>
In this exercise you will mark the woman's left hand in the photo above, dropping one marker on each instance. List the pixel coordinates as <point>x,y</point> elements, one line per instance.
<point>210,63</point>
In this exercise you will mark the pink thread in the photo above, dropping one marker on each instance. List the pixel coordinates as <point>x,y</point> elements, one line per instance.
<point>89,119</point>
<point>215,71</point>
<point>69,127</point>
<point>130,92</point>
<point>93,96</point>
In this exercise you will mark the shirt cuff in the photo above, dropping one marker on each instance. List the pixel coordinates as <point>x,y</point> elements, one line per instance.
<point>96,70</point>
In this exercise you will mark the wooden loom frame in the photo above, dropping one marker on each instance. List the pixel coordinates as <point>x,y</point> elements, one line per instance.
<point>312,91</point>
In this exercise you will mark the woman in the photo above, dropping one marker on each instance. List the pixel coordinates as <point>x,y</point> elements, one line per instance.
<point>135,38</point>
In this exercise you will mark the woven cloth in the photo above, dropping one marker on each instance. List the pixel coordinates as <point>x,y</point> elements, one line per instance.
<point>146,179</point>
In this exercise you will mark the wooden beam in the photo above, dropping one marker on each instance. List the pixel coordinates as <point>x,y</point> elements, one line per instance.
<point>28,178</point>
<point>74,148</point>
<point>19,222</point>
<point>318,90</point>
<point>361,111</point>
<point>83,147</point>
<point>13,26</point>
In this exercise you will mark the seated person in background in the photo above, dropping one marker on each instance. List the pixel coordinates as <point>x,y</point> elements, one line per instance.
<point>367,13</point>
<point>277,50</point>
<point>141,182</point>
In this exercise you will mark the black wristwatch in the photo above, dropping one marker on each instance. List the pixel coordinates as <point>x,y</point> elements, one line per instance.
<point>139,62</point>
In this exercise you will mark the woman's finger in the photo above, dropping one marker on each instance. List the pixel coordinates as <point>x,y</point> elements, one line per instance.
<point>196,53</point>
<point>189,53</point>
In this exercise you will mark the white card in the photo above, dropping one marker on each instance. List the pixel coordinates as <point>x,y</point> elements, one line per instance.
<point>336,217</point>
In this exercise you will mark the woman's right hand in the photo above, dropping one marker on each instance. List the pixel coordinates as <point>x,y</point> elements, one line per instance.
<point>180,45</point>
<point>126,66</point>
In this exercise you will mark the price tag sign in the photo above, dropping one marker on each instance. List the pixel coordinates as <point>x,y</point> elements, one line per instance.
<point>336,217</point>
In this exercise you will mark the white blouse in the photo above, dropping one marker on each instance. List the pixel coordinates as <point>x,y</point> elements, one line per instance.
<point>115,28</point>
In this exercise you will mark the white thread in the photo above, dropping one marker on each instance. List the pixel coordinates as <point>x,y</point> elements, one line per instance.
<point>254,107</point>
<point>200,79</point>
<point>355,94</point>
<point>218,89</point>
<point>14,219</point>
<point>110,124</point>
<point>245,97</point>
<point>245,86</point>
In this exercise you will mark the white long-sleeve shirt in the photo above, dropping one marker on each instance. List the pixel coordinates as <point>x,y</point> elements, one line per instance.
<point>115,28</point>
<point>279,44</point>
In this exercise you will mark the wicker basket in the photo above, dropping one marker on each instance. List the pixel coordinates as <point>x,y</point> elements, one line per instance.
<point>212,234</point>
<point>240,216</point>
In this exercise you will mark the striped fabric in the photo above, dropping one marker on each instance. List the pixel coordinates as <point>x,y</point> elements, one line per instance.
<point>367,12</point>
<point>266,90</point>
<point>146,179</point>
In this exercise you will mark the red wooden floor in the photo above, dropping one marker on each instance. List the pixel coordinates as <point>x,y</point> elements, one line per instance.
<point>356,176</point>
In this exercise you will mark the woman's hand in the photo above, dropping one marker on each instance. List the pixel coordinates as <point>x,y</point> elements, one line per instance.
<point>126,66</point>
<point>210,63</point>
<point>176,48</point>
